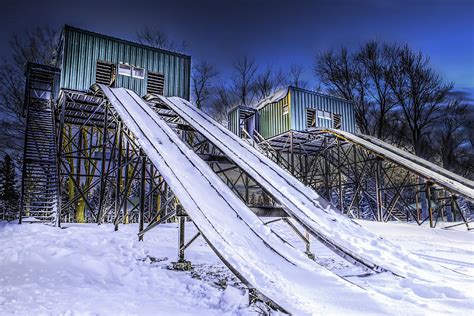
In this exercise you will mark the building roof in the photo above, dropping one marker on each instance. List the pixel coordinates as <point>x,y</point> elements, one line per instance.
<point>127,42</point>
<point>283,92</point>
<point>275,97</point>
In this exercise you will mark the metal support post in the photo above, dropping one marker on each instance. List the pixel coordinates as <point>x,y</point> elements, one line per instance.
<point>429,202</point>
<point>292,159</point>
<point>356,182</point>
<point>182,264</point>
<point>378,178</point>
<point>182,226</point>
<point>339,176</point>
<point>58,159</point>
<point>102,168</point>
<point>141,218</point>
<point>454,206</point>
<point>126,180</point>
<point>119,176</point>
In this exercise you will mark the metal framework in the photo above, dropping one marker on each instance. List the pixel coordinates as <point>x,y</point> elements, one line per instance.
<point>105,177</point>
<point>39,189</point>
<point>359,182</point>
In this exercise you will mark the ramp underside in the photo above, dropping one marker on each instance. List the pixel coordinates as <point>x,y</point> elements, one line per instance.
<point>428,170</point>
<point>261,260</point>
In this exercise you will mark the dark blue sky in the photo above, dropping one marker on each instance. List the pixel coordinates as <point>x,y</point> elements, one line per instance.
<point>278,33</point>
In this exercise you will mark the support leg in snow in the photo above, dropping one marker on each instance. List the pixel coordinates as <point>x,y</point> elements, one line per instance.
<point>181,264</point>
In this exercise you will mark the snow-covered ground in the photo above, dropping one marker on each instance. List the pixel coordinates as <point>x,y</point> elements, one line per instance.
<point>92,270</point>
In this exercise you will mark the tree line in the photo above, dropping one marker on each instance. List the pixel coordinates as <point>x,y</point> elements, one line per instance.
<point>397,95</point>
<point>9,189</point>
<point>400,98</point>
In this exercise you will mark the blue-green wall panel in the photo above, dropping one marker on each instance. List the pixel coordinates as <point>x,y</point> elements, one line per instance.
<point>82,49</point>
<point>233,121</point>
<point>304,99</point>
<point>272,121</point>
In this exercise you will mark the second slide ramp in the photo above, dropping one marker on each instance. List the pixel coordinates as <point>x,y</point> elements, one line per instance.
<point>250,250</point>
<point>338,232</point>
<point>435,173</point>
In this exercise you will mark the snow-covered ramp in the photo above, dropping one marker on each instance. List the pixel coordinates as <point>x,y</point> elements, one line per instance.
<point>339,233</point>
<point>282,274</point>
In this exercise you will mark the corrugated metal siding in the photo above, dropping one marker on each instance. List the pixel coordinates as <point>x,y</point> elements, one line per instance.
<point>233,121</point>
<point>271,119</point>
<point>303,99</point>
<point>82,49</point>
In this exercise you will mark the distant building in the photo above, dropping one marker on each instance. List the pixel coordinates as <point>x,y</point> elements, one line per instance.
<point>293,109</point>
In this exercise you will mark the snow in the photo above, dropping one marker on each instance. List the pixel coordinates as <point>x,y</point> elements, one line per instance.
<point>233,231</point>
<point>304,204</point>
<point>275,97</point>
<point>91,270</point>
<point>453,249</point>
<point>86,269</point>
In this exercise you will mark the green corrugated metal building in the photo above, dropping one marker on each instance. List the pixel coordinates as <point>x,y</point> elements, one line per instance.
<point>295,109</point>
<point>87,57</point>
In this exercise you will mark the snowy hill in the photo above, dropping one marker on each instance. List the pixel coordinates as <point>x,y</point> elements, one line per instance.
<point>91,270</point>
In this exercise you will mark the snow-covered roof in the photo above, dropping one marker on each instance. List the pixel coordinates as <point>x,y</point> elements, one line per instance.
<point>275,97</point>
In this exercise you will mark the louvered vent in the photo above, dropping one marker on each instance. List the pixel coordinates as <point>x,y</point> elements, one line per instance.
<point>104,73</point>
<point>310,118</point>
<point>337,121</point>
<point>155,83</point>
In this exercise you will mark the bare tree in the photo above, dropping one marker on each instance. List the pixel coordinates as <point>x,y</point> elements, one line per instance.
<point>374,61</point>
<point>38,46</point>
<point>243,80</point>
<point>296,77</point>
<point>449,135</point>
<point>344,78</point>
<point>267,82</point>
<point>223,101</point>
<point>419,91</point>
<point>201,78</point>
<point>154,37</point>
